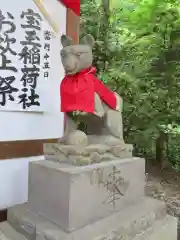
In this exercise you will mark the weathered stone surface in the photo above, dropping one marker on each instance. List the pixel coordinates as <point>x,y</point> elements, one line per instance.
<point>7,232</point>
<point>99,148</point>
<point>165,229</point>
<point>126,223</point>
<point>114,123</point>
<point>56,149</point>
<point>75,196</point>
<point>79,160</point>
<point>99,110</point>
<point>96,153</point>
<point>77,137</point>
<point>95,157</point>
<point>58,158</point>
<point>119,150</point>
<point>105,139</point>
<point>108,157</point>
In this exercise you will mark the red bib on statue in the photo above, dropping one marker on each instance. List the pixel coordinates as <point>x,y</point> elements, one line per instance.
<point>77,92</point>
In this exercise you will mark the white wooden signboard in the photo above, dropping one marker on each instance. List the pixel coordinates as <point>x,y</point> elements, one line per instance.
<point>30,70</point>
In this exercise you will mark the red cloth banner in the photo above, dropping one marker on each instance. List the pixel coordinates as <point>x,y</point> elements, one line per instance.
<point>74,5</point>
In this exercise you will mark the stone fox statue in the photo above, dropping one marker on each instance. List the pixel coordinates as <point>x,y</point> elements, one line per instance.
<point>85,97</point>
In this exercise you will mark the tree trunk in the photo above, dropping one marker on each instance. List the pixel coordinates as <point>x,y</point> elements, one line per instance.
<point>105,27</point>
<point>161,147</point>
<point>106,7</point>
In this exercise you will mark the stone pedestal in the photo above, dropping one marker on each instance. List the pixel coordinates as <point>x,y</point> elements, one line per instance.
<point>74,196</point>
<point>94,192</point>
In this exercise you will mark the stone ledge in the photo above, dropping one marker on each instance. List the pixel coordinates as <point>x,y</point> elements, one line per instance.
<point>7,232</point>
<point>126,223</point>
<point>84,155</point>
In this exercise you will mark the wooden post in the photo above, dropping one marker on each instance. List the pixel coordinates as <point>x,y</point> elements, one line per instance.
<point>72,28</point>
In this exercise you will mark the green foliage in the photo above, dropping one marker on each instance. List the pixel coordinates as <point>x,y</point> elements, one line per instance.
<point>138,53</point>
<point>173,153</point>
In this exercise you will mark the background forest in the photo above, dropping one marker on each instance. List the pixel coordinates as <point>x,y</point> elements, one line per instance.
<point>137,53</point>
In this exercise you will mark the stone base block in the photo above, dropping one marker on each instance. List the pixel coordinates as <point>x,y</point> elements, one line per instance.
<point>125,224</point>
<point>84,155</point>
<point>7,232</point>
<point>73,197</point>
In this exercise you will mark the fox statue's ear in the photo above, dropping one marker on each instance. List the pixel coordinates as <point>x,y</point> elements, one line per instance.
<point>88,40</point>
<point>66,41</point>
